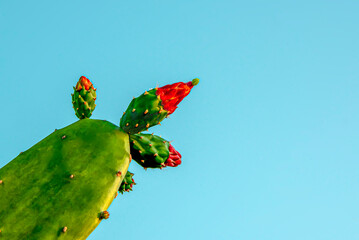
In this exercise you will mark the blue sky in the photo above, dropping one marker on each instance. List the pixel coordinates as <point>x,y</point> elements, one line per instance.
<point>269,137</point>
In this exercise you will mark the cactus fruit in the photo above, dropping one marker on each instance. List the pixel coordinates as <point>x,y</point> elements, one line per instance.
<point>153,106</point>
<point>151,151</point>
<point>83,98</point>
<point>62,187</point>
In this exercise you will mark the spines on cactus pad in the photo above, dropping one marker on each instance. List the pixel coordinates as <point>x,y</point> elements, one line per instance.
<point>151,151</point>
<point>61,187</point>
<point>127,183</point>
<point>153,106</point>
<point>83,98</point>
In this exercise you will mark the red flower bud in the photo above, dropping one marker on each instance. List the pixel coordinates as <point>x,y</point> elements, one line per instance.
<point>171,95</point>
<point>84,83</point>
<point>174,159</point>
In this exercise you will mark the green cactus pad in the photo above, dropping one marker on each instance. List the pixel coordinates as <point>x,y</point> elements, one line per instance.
<point>150,151</point>
<point>143,112</point>
<point>127,183</point>
<point>58,188</point>
<point>83,98</point>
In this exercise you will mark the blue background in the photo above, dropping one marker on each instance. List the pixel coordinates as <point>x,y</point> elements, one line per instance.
<point>269,137</point>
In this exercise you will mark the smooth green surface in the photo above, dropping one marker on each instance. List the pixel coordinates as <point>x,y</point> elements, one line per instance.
<point>150,151</point>
<point>143,112</point>
<point>38,197</point>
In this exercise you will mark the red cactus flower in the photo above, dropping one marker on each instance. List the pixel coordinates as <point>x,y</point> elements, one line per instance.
<point>171,95</point>
<point>84,82</point>
<point>174,159</point>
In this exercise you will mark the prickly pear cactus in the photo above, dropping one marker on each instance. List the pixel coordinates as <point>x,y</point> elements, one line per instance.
<point>62,187</point>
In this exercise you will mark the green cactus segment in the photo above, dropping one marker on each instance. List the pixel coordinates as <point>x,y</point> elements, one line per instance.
<point>83,98</point>
<point>58,188</point>
<point>127,183</point>
<point>143,112</point>
<point>150,151</point>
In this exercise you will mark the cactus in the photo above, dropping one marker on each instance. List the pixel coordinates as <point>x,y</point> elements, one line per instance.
<point>62,187</point>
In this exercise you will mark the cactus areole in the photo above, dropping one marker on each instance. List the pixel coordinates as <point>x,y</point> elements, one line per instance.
<point>62,187</point>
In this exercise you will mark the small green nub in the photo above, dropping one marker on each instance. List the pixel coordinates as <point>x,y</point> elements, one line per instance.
<point>195,81</point>
<point>127,183</point>
<point>104,215</point>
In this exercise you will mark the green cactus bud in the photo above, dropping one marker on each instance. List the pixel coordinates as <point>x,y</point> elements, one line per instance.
<point>83,98</point>
<point>104,215</point>
<point>127,183</point>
